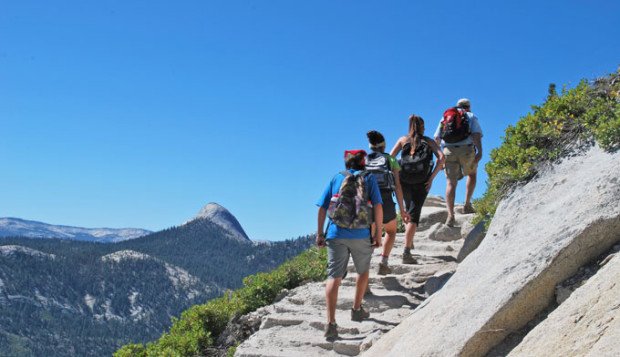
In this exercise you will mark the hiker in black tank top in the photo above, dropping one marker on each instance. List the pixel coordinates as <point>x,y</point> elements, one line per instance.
<point>386,170</point>
<point>416,175</point>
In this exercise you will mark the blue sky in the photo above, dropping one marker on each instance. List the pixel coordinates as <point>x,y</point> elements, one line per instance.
<point>138,113</point>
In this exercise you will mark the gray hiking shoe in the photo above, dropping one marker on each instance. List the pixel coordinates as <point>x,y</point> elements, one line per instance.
<point>409,259</point>
<point>450,221</point>
<point>359,315</point>
<point>468,208</point>
<point>331,331</point>
<point>384,269</point>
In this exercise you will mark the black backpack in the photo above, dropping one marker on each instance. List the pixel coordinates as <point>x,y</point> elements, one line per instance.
<point>454,125</point>
<point>416,168</point>
<point>379,165</point>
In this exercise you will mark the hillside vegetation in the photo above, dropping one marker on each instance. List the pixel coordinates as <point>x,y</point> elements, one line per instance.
<point>575,118</point>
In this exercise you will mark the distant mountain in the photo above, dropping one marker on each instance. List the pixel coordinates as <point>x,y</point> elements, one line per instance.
<point>14,227</point>
<point>62,297</point>
<point>59,304</point>
<point>219,215</point>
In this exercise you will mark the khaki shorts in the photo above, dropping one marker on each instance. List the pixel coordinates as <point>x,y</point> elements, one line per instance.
<point>460,161</point>
<point>340,249</point>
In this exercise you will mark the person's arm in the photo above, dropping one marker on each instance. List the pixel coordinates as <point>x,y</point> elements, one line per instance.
<point>323,204</point>
<point>320,236</point>
<point>397,147</point>
<point>476,135</point>
<point>440,161</point>
<point>399,197</point>
<point>437,135</point>
<point>377,210</point>
<point>477,139</point>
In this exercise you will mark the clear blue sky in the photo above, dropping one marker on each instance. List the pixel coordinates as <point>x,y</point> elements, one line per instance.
<point>138,113</point>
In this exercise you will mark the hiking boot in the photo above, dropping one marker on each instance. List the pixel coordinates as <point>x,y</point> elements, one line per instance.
<point>384,269</point>
<point>368,291</point>
<point>359,315</point>
<point>331,331</point>
<point>450,221</point>
<point>468,208</point>
<point>408,258</point>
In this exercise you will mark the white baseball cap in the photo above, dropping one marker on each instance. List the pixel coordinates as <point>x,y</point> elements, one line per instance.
<point>463,102</point>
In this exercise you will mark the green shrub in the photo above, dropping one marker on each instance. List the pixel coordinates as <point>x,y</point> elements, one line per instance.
<point>131,350</point>
<point>261,289</point>
<point>589,112</point>
<point>231,351</point>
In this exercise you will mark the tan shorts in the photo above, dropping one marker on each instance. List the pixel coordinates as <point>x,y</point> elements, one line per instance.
<point>460,161</point>
<point>339,250</point>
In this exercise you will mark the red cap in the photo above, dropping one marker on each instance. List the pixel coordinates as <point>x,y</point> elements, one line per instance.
<point>350,153</point>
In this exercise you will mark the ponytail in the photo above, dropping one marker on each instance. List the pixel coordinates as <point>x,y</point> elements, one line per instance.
<point>414,135</point>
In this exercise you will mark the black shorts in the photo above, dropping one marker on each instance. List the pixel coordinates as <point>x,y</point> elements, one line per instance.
<point>414,196</point>
<point>389,207</point>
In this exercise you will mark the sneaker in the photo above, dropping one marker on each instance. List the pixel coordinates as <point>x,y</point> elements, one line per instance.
<point>331,331</point>
<point>450,221</point>
<point>468,208</point>
<point>408,259</point>
<point>384,269</point>
<point>359,315</point>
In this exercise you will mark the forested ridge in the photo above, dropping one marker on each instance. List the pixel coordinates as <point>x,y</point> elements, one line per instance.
<point>62,297</point>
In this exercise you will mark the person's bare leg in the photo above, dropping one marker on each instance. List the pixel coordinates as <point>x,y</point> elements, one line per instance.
<point>409,233</point>
<point>450,193</point>
<point>469,188</point>
<point>360,288</point>
<point>390,237</point>
<point>331,298</point>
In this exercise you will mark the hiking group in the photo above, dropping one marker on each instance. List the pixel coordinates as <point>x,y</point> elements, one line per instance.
<point>358,201</point>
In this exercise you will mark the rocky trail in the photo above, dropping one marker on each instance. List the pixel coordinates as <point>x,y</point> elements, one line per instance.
<point>543,282</point>
<point>295,324</point>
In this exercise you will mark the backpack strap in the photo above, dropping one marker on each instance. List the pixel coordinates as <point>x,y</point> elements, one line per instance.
<point>465,119</point>
<point>344,173</point>
<point>406,149</point>
<point>329,221</point>
<point>364,175</point>
<point>389,163</point>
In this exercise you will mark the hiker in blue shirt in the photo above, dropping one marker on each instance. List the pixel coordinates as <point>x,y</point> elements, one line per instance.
<point>343,242</point>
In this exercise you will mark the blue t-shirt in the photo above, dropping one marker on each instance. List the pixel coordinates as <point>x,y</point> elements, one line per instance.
<point>474,127</point>
<point>333,231</point>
